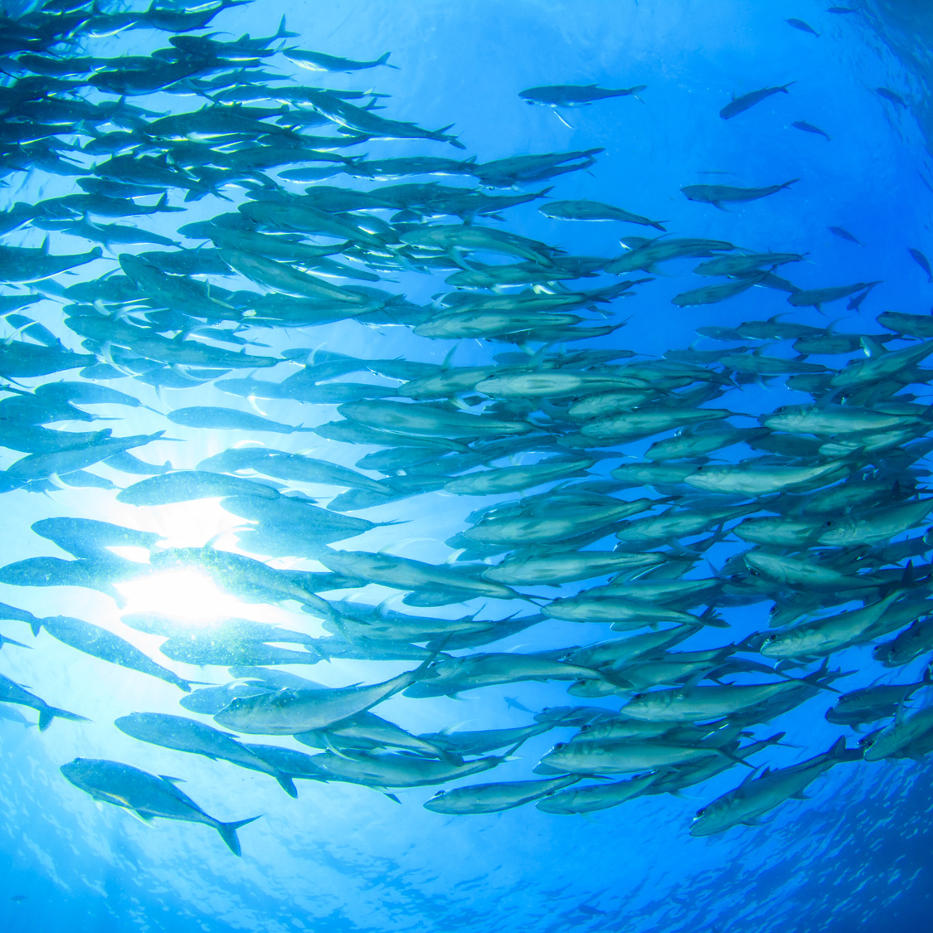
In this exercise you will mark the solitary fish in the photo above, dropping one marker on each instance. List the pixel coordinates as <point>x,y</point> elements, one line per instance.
<point>892,96</point>
<point>144,794</point>
<point>318,61</point>
<point>573,95</point>
<point>922,261</point>
<point>740,104</point>
<point>844,234</point>
<point>716,194</point>
<point>809,128</point>
<point>802,26</point>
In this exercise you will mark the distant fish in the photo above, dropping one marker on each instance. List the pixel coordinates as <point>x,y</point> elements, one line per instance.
<point>716,194</point>
<point>921,261</point>
<point>802,26</point>
<point>890,95</point>
<point>840,9</point>
<point>844,234</point>
<point>809,128</point>
<point>574,95</point>
<point>740,104</point>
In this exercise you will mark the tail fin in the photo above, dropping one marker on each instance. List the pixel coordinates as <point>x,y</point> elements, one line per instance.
<point>228,833</point>
<point>384,60</point>
<point>48,713</point>
<point>787,184</point>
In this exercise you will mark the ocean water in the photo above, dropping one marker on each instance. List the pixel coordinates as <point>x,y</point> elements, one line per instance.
<point>853,855</point>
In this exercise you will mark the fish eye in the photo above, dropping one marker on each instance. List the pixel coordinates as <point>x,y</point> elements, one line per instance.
<point>559,746</point>
<point>701,811</point>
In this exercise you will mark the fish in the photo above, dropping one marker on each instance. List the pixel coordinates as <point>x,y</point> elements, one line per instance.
<point>230,419</point>
<point>146,795</point>
<point>188,485</point>
<point>815,297</point>
<point>843,234</point>
<point>319,61</point>
<point>921,261</point>
<point>810,128</point>
<point>572,95</point>
<point>595,210</point>
<point>891,96</point>
<point>868,704</point>
<point>717,194</point>
<point>802,26</point>
<point>494,798</point>
<point>291,711</point>
<point>740,104</point>
<point>189,735</point>
<point>12,692</point>
<point>704,703</point>
<point>758,795</point>
<point>595,796</point>
<point>102,644</point>
<point>710,294</point>
<point>908,726</point>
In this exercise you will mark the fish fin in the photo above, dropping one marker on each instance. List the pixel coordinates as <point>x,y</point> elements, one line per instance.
<point>390,795</point>
<point>49,713</point>
<point>144,818</point>
<point>12,641</point>
<point>228,833</point>
<point>287,784</point>
<point>560,117</point>
<point>173,780</point>
<point>738,759</point>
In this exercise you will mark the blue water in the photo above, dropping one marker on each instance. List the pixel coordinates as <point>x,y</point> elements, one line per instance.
<point>856,854</point>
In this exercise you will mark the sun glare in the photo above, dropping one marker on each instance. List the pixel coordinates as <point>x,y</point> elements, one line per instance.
<point>185,595</point>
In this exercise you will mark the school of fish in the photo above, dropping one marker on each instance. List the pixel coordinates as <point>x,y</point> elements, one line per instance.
<point>228,211</point>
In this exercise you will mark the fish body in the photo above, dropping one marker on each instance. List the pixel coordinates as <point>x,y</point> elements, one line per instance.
<point>810,128</point>
<point>189,735</point>
<point>758,795</point>
<point>717,194</point>
<point>595,210</point>
<point>802,26</point>
<point>145,794</point>
<point>595,796</point>
<point>573,95</point>
<point>106,646</point>
<point>493,798</point>
<point>12,692</point>
<point>740,104</point>
<point>289,711</point>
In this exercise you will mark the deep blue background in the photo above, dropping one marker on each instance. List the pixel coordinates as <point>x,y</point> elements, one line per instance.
<point>857,855</point>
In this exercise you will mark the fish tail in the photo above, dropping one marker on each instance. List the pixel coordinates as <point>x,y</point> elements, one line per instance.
<point>384,60</point>
<point>48,713</point>
<point>787,184</point>
<point>228,833</point>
